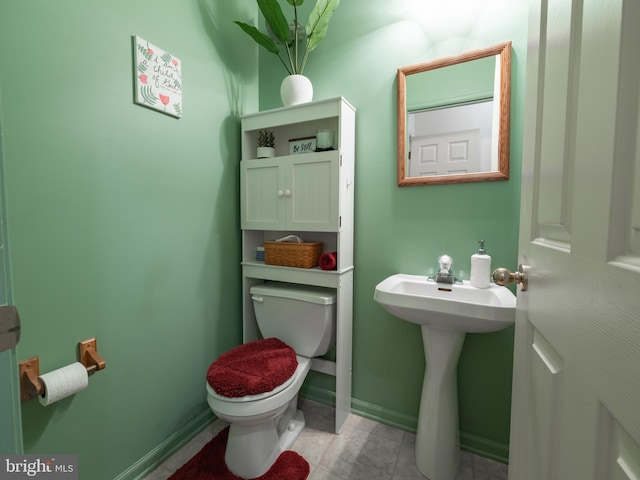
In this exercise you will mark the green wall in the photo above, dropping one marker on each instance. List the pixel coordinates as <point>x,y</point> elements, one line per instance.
<point>122,221</point>
<point>406,229</point>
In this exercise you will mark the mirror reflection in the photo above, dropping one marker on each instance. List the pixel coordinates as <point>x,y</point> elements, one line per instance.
<point>453,118</point>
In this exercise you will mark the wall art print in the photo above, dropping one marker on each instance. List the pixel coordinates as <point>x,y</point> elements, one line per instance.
<point>157,78</point>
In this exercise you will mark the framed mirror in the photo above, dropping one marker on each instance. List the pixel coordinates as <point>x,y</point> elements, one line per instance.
<point>454,117</point>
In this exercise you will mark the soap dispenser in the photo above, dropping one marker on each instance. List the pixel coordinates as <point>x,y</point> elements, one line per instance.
<point>480,267</point>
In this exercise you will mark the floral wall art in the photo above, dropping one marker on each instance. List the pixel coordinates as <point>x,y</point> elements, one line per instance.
<point>158,78</point>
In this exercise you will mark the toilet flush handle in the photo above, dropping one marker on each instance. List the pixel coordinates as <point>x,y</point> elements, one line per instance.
<point>255,298</point>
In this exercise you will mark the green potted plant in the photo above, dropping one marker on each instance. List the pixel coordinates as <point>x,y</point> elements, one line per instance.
<point>266,144</point>
<point>291,44</point>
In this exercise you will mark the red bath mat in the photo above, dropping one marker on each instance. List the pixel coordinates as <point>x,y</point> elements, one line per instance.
<point>209,464</point>
<point>252,368</point>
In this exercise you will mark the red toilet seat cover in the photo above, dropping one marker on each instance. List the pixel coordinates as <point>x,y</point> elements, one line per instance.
<point>252,368</point>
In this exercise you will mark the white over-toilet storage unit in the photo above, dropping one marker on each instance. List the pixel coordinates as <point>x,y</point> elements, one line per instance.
<point>309,195</point>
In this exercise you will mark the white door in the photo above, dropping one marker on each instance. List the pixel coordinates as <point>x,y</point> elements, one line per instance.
<point>576,397</point>
<point>10,418</point>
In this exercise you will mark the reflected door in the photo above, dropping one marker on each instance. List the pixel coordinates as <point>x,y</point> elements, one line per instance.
<point>576,413</point>
<point>445,154</point>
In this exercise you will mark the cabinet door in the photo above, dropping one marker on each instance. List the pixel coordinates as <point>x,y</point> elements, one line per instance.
<point>261,195</point>
<point>312,193</point>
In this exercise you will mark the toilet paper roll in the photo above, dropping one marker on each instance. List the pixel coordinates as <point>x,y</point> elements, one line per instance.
<point>63,382</point>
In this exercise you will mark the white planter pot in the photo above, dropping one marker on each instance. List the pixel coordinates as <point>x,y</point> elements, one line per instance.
<point>266,152</point>
<point>296,89</point>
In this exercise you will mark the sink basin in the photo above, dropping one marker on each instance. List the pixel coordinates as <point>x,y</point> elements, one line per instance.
<point>461,308</point>
<point>445,313</point>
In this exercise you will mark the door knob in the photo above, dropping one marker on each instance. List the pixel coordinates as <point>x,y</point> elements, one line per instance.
<point>503,277</point>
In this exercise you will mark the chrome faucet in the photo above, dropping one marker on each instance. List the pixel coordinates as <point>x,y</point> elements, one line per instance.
<point>445,274</point>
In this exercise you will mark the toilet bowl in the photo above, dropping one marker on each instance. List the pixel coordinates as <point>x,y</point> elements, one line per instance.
<point>266,422</point>
<point>261,426</point>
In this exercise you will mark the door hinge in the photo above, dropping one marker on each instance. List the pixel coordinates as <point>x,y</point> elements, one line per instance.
<point>9,327</point>
<point>340,221</point>
<point>340,159</point>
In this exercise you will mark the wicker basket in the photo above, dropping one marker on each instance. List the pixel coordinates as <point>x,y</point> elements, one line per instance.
<point>289,254</point>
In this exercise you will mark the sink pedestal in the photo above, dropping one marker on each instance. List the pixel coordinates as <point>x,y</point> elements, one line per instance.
<point>445,313</point>
<point>437,443</point>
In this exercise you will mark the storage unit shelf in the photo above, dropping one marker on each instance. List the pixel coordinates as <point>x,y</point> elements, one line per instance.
<point>310,195</point>
<point>306,112</point>
<point>308,276</point>
<point>300,156</point>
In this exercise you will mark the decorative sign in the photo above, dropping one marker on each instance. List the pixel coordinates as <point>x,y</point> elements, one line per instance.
<point>158,78</point>
<point>302,145</point>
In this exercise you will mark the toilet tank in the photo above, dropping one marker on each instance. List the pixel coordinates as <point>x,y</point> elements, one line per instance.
<point>302,316</point>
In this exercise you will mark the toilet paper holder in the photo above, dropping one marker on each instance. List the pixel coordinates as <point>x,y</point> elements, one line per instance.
<point>29,369</point>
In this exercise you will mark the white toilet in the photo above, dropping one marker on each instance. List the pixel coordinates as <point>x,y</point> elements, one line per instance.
<point>263,425</point>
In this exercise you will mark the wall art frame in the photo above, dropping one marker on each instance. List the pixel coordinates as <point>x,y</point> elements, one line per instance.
<point>157,78</point>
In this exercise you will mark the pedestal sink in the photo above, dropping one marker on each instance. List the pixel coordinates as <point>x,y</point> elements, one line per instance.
<point>446,313</point>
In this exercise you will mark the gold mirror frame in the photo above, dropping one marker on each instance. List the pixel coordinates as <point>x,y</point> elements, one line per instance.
<point>502,49</point>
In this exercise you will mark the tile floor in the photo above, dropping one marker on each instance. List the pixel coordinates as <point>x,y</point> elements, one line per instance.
<point>365,450</point>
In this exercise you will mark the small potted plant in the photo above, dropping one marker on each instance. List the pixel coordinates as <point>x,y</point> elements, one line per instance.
<point>266,144</point>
